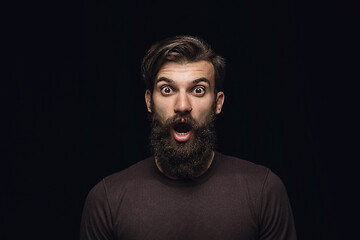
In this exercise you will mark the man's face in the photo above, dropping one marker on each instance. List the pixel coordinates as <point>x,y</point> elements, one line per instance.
<point>183,107</point>
<point>184,88</point>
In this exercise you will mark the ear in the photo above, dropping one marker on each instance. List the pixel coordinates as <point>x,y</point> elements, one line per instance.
<point>148,100</point>
<point>220,97</point>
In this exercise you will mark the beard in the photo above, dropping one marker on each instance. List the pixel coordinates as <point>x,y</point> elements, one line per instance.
<point>183,160</point>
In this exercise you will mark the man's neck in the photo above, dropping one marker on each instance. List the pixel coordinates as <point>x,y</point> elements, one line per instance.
<point>207,166</point>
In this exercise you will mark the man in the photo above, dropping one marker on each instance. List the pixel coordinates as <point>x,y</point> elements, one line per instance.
<point>186,190</point>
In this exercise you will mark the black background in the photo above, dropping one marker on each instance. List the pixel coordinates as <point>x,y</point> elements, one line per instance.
<point>75,113</point>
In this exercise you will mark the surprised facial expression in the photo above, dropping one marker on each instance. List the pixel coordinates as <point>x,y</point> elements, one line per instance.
<point>184,89</point>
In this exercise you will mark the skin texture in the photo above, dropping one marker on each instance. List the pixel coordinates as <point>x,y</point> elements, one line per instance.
<point>185,88</point>
<point>182,94</point>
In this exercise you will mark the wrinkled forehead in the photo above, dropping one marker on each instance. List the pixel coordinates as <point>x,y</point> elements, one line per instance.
<point>187,71</point>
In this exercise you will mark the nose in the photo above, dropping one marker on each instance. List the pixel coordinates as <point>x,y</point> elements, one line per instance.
<point>182,103</point>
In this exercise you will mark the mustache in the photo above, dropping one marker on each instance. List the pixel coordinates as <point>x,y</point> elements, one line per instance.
<point>180,117</point>
<point>185,118</point>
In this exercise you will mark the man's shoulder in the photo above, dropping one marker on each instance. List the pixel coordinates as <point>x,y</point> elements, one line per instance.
<point>254,176</point>
<point>246,172</point>
<point>113,185</point>
<point>135,172</point>
<point>241,166</point>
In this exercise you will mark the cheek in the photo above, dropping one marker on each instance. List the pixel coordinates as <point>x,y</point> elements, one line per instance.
<point>202,111</point>
<point>163,109</point>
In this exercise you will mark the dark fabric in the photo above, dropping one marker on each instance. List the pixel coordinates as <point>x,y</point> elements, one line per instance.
<point>234,199</point>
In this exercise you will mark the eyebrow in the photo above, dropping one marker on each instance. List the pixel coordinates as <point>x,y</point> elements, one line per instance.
<point>164,79</point>
<point>196,81</point>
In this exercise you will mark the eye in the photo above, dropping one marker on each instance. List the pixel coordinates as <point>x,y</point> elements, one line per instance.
<point>166,90</point>
<point>199,91</point>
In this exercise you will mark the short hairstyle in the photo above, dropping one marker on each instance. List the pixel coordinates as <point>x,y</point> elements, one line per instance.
<point>180,49</point>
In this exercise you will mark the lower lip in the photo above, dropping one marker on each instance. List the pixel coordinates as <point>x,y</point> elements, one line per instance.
<point>181,137</point>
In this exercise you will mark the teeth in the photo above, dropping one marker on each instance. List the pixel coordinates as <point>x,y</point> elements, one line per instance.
<point>182,134</point>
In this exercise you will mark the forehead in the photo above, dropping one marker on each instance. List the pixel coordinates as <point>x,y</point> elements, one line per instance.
<point>187,71</point>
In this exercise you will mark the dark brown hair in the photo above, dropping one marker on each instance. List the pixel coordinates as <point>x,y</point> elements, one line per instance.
<point>180,49</point>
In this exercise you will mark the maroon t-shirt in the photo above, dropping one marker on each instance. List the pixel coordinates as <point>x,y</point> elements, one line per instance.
<point>234,199</point>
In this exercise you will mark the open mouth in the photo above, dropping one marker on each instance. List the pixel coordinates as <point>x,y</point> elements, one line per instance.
<point>182,132</point>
